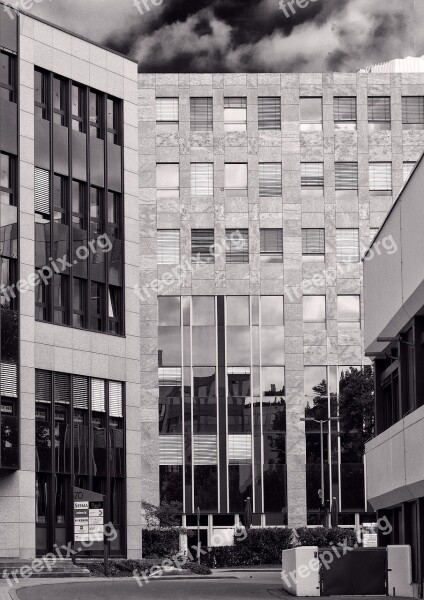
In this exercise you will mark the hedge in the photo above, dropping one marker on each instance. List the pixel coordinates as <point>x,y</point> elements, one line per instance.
<point>325,537</point>
<point>160,543</point>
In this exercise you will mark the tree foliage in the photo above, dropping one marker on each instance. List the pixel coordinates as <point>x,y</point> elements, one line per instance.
<point>167,514</point>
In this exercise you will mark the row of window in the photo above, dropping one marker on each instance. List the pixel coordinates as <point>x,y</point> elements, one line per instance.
<point>270,178</point>
<point>67,104</point>
<point>204,249</point>
<point>269,113</point>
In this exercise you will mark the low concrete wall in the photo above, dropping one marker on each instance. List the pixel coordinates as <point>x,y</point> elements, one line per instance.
<point>300,572</point>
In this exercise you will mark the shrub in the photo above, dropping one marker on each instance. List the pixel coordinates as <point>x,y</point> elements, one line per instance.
<point>117,568</point>
<point>160,543</point>
<point>325,537</point>
<point>261,547</point>
<point>196,568</point>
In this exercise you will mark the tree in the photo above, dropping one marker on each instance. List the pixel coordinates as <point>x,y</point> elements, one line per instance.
<point>165,515</point>
<point>356,406</point>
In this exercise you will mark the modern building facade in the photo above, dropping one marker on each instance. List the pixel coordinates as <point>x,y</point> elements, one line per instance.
<point>394,337</point>
<point>287,178</point>
<point>70,369</point>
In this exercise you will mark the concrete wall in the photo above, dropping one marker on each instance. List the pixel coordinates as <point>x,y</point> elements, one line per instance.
<point>45,346</point>
<point>395,462</point>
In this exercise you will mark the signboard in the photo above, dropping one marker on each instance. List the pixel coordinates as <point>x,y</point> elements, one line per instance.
<point>88,516</point>
<point>369,535</point>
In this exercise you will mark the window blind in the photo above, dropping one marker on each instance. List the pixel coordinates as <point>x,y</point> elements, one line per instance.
<point>201,114</point>
<point>270,180</point>
<point>9,380</point>
<point>115,399</point>
<point>237,245</point>
<point>347,245</point>
<point>167,109</point>
<point>345,109</point>
<point>379,109</point>
<point>170,450</point>
<point>381,176</point>
<point>413,110</point>
<point>202,241</point>
<point>42,191</point>
<point>168,246</point>
<point>98,395</point>
<point>313,241</point>
<point>43,386</point>
<point>205,450</point>
<point>201,179</point>
<point>239,449</point>
<point>169,376</point>
<point>235,102</point>
<point>312,174</point>
<point>408,167</point>
<point>346,175</point>
<point>62,388</point>
<point>272,241</point>
<point>269,113</point>
<point>80,392</point>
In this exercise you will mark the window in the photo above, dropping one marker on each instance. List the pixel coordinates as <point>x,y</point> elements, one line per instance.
<point>7,281</point>
<point>168,246</point>
<point>7,180</point>
<point>271,245</point>
<point>60,87</point>
<point>347,245</point>
<point>270,180</point>
<point>114,215</point>
<point>202,245</point>
<point>345,113</point>
<point>408,167</point>
<point>97,306</point>
<point>42,312</point>
<point>167,115</point>
<point>96,212</point>
<point>7,77</point>
<point>314,312</point>
<point>41,94</point>
<point>413,112</point>
<point>60,298</point>
<point>201,179</point>
<point>78,302</point>
<point>236,179</point>
<point>168,180</point>
<point>113,121</point>
<point>78,204</point>
<point>348,311</point>
<point>269,113</point>
<point>60,195</point>
<point>201,114</point>
<point>78,108</point>
<point>379,114</point>
<point>310,114</point>
<point>237,245</point>
<point>346,176</point>
<point>235,114</point>
<point>42,191</point>
<point>96,115</point>
<point>313,244</point>
<point>381,178</point>
<point>115,309</point>
<point>312,176</point>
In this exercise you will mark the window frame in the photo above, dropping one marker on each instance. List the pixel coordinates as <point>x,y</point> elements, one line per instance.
<point>272,256</point>
<point>78,120</point>
<point>310,124</point>
<point>196,123</point>
<point>231,255</point>
<point>266,123</point>
<point>312,324</point>
<point>205,256</point>
<point>167,191</point>
<point>232,124</point>
<point>232,190</point>
<point>311,256</point>
<point>60,114</point>
<point>11,87</point>
<point>11,189</point>
<point>351,323</point>
<point>341,123</point>
<point>167,125</point>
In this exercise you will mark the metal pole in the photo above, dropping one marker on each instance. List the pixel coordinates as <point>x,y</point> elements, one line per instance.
<point>322,472</point>
<point>198,535</point>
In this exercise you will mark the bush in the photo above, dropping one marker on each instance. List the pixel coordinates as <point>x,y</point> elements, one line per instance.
<point>261,547</point>
<point>325,537</point>
<point>117,568</point>
<point>160,543</point>
<point>196,568</point>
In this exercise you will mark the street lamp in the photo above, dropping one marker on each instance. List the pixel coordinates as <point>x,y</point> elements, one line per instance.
<point>321,427</point>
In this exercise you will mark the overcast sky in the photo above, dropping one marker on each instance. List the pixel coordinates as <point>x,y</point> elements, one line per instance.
<point>247,35</point>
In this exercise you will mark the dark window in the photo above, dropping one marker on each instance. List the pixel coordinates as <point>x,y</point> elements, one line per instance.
<point>313,242</point>
<point>96,113</point>
<point>96,212</point>
<point>272,245</point>
<point>202,245</point>
<point>114,215</point>
<point>60,298</point>
<point>379,109</point>
<point>345,112</point>
<point>97,306</point>
<point>79,204</point>
<point>413,111</point>
<point>79,302</point>
<point>201,114</point>
<point>269,113</point>
<point>113,121</point>
<point>7,282</point>
<point>60,88</point>
<point>7,77</point>
<point>60,199</point>
<point>78,108</point>
<point>42,312</point>
<point>41,94</point>
<point>346,175</point>
<point>115,309</point>
<point>237,245</point>
<point>7,180</point>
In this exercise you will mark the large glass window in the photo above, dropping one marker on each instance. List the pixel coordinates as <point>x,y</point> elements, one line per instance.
<point>78,108</point>
<point>314,312</point>
<point>113,121</point>
<point>60,104</point>
<point>7,180</point>
<point>7,77</point>
<point>310,114</point>
<point>96,115</point>
<point>41,94</point>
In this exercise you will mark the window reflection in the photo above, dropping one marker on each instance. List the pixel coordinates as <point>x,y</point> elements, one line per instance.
<point>238,310</point>
<point>169,311</point>
<point>273,381</point>
<point>169,346</point>
<point>272,310</point>
<point>203,310</point>
<point>170,415</point>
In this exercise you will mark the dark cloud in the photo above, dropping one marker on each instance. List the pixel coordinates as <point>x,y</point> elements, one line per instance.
<point>249,35</point>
